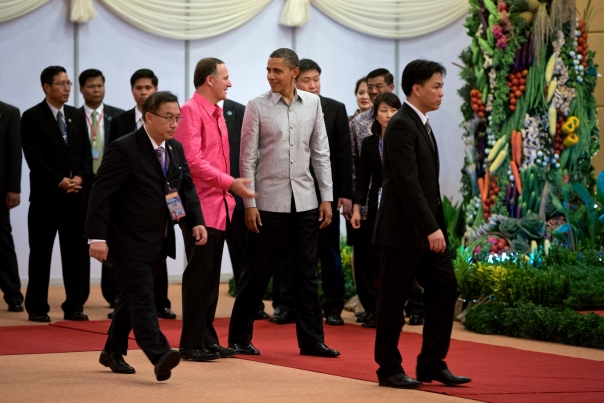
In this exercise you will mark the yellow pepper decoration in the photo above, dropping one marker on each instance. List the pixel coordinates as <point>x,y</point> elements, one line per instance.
<point>570,140</point>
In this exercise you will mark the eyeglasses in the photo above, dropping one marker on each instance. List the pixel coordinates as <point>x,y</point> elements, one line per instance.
<point>377,87</point>
<point>63,83</point>
<point>170,119</point>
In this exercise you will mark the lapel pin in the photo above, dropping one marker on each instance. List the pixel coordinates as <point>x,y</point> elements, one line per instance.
<point>229,113</point>
<point>170,147</point>
<point>69,120</point>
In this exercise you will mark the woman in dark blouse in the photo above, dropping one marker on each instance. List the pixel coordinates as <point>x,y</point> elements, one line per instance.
<point>368,188</point>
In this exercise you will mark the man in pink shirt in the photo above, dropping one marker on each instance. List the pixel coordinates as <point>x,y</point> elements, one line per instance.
<point>205,140</point>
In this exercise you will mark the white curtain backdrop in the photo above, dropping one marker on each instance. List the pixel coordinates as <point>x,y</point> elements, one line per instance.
<point>10,9</point>
<point>200,19</point>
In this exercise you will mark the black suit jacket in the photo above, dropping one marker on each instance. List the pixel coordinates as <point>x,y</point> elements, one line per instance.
<point>109,112</point>
<point>369,173</point>
<point>340,150</point>
<point>122,124</point>
<point>10,149</point>
<point>233,116</point>
<point>49,158</point>
<point>411,206</point>
<point>127,206</point>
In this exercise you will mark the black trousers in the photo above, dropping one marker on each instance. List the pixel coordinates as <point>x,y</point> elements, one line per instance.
<point>366,263</point>
<point>10,284</point>
<point>200,283</point>
<point>435,273</point>
<point>44,221</point>
<point>135,309</point>
<point>236,240</point>
<point>300,231</point>
<point>283,288</point>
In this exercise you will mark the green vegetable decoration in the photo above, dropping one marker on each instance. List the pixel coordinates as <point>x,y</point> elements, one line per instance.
<point>529,113</point>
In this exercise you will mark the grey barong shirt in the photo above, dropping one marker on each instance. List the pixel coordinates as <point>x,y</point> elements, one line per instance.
<point>278,144</point>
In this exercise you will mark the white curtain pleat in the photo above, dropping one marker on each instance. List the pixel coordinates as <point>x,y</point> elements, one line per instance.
<point>82,11</point>
<point>10,9</point>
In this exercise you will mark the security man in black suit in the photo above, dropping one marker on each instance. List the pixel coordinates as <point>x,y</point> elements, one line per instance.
<point>143,83</point>
<point>328,252</point>
<point>57,150</point>
<point>410,229</point>
<point>10,197</point>
<point>142,184</point>
<point>98,118</point>
<point>236,233</point>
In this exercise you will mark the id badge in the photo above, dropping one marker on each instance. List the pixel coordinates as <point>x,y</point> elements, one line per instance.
<point>95,154</point>
<point>177,211</point>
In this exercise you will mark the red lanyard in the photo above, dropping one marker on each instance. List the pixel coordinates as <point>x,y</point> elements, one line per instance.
<point>93,130</point>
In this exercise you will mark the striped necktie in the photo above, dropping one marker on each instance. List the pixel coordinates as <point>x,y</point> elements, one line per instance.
<point>430,134</point>
<point>62,126</point>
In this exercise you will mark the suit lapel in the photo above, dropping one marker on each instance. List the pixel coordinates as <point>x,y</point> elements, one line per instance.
<point>420,125</point>
<point>173,162</point>
<point>52,122</point>
<point>147,149</point>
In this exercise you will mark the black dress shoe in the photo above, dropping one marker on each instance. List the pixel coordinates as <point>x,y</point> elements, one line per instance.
<point>112,304</point>
<point>334,320</point>
<point>223,352</point>
<point>371,323</point>
<point>443,376</point>
<point>260,315</point>
<point>284,318</point>
<point>244,348</point>
<point>78,316</point>
<point>15,306</point>
<point>320,350</point>
<point>116,362</point>
<point>166,313</point>
<point>163,367</point>
<point>368,317</point>
<point>111,314</point>
<point>401,381</point>
<point>416,320</point>
<point>198,355</point>
<point>39,318</point>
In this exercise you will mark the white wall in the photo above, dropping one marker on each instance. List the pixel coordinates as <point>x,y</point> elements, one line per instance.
<point>46,37</point>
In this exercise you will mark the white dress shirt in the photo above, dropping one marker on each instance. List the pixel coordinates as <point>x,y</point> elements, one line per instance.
<point>100,134</point>
<point>279,142</point>
<point>138,118</point>
<point>55,111</point>
<point>423,117</point>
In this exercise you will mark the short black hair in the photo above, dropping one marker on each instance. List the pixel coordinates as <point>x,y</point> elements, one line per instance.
<point>156,100</point>
<point>359,82</point>
<point>49,73</point>
<point>143,73</point>
<point>308,65</point>
<point>388,77</point>
<point>290,58</point>
<point>418,72</point>
<point>207,66</point>
<point>90,73</point>
<point>388,98</point>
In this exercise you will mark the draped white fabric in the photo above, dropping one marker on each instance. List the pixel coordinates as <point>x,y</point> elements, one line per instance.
<point>198,19</point>
<point>10,9</point>
<point>182,19</point>
<point>393,18</point>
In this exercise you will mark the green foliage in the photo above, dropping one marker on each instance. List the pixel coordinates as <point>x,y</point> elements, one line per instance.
<point>531,321</point>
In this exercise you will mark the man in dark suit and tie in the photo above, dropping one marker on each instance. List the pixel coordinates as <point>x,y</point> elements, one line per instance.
<point>10,197</point>
<point>98,118</point>
<point>236,233</point>
<point>143,183</point>
<point>143,83</point>
<point>57,150</point>
<point>410,229</point>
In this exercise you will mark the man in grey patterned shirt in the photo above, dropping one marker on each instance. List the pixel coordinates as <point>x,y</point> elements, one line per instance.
<point>283,133</point>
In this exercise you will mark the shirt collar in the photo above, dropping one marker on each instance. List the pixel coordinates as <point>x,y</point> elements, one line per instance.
<point>153,143</point>
<point>138,115</point>
<point>423,117</point>
<point>55,110</point>
<point>276,96</point>
<point>89,110</point>
<point>211,110</point>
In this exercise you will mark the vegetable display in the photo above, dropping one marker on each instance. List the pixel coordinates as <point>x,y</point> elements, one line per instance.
<point>530,118</point>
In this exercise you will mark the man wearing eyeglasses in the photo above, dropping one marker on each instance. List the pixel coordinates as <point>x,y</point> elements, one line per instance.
<point>203,134</point>
<point>57,150</point>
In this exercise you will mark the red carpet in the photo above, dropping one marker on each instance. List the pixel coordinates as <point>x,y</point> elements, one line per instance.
<point>500,374</point>
<point>601,313</point>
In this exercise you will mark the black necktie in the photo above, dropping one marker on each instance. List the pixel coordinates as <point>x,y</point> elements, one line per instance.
<point>430,134</point>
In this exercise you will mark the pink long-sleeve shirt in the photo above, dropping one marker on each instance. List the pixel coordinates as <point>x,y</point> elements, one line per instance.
<point>203,134</point>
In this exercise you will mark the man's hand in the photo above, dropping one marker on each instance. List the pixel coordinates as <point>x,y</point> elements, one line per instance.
<point>240,189</point>
<point>252,219</point>
<point>200,234</point>
<point>437,242</point>
<point>71,185</point>
<point>325,214</point>
<point>65,184</point>
<point>355,221</point>
<point>12,200</point>
<point>98,250</point>
<point>347,207</point>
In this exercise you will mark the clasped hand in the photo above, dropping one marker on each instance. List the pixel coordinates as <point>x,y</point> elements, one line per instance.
<point>71,185</point>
